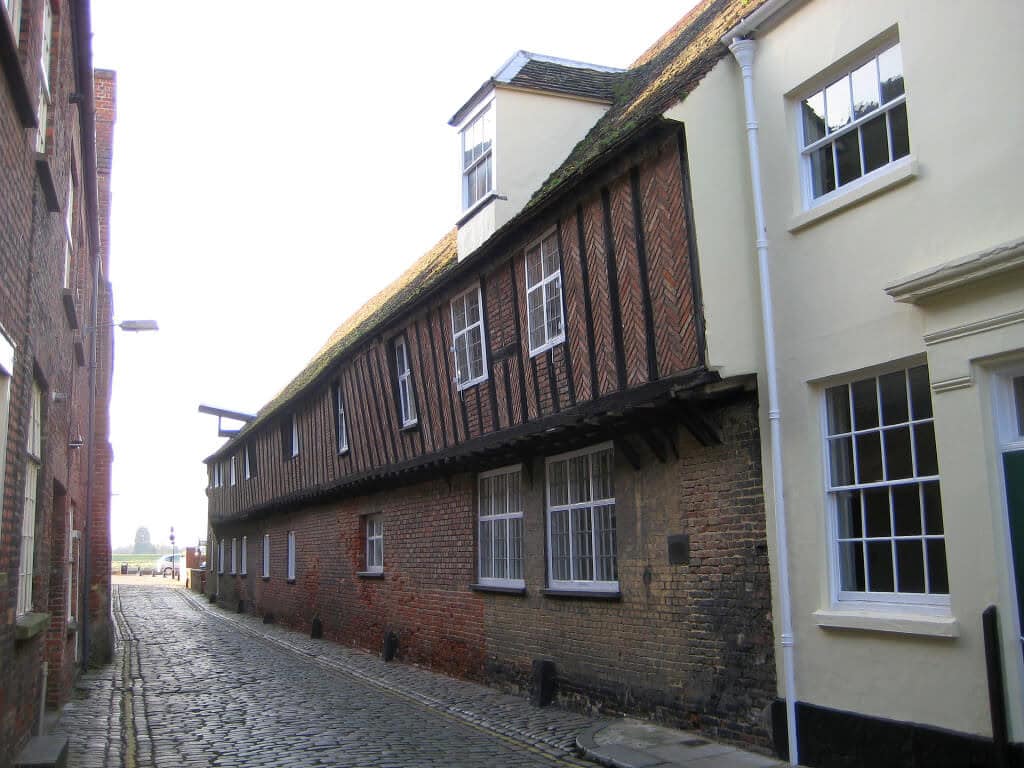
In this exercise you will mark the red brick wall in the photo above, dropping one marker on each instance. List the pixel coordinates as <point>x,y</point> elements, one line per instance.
<point>32,315</point>
<point>691,644</point>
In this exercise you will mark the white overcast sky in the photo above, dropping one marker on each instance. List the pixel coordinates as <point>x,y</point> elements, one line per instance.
<point>276,164</point>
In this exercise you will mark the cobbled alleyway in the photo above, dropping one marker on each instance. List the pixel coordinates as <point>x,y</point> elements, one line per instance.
<point>193,685</point>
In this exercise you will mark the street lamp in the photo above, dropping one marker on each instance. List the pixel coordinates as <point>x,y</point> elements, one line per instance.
<point>133,326</point>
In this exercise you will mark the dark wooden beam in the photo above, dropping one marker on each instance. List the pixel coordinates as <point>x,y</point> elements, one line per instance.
<point>653,441</point>
<point>626,448</point>
<point>699,425</point>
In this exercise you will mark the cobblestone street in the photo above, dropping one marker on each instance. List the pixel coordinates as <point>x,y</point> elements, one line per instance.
<point>193,685</point>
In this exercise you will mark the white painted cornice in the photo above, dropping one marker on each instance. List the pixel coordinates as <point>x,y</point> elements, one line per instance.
<point>958,272</point>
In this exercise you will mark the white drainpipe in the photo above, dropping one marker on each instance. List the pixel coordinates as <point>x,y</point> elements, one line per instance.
<point>743,50</point>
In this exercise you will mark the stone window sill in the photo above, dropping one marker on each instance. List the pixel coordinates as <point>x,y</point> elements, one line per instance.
<point>500,590</point>
<point>370,574</point>
<point>903,170</point>
<point>922,625</point>
<point>28,625</point>
<point>582,594</point>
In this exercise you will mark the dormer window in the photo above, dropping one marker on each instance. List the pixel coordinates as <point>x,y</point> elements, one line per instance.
<point>477,163</point>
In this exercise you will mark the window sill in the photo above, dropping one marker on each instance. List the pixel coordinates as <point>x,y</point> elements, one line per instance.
<point>583,594</point>
<point>902,171</point>
<point>471,384</point>
<point>9,62</point>
<point>478,206</point>
<point>265,578</point>
<point>882,621</point>
<point>344,452</point>
<point>47,182</point>
<point>412,426</point>
<point>28,625</point>
<point>370,574</point>
<point>549,345</point>
<point>70,312</point>
<point>289,581</point>
<point>498,589</point>
<point>72,626</point>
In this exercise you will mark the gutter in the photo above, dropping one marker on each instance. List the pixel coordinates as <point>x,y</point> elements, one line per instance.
<point>743,50</point>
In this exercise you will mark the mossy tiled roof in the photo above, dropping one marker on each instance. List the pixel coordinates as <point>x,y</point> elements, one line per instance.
<point>659,78</point>
<point>663,75</point>
<point>400,293</point>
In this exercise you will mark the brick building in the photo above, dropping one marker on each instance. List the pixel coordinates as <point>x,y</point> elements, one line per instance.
<point>56,130</point>
<point>523,453</point>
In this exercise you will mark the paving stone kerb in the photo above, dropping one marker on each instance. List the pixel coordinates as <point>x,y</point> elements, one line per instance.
<point>193,685</point>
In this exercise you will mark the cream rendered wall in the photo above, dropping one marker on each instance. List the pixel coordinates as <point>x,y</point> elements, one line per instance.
<point>534,133</point>
<point>712,116</point>
<point>962,65</point>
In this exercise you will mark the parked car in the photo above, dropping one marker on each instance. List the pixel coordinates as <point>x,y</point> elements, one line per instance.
<point>167,565</point>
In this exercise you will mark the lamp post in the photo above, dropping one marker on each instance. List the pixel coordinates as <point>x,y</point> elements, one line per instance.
<point>174,562</point>
<point>133,326</point>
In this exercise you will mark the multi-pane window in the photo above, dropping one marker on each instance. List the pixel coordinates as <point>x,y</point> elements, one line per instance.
<point>290,436</point>
<point>477,145</point>
<point>13,8</point>
<point>340,425</point>
<point>468,338</point>
<point>34,447</point>
<point>291,555</point>
<point>245,555</point>
<point>220,556</point>
<point>581,520</point>
<point>406,396</point>
<point>234,556</point>
<point>69,571</point>
<point>266,555</point>
<point>855,125</point>
<point>249,461</point>
<point>501,527</point>
<point>544,294</point>
<point>883,489</point>
<point>375,544</point>
<point>69,232</point>
<point>44,77</point>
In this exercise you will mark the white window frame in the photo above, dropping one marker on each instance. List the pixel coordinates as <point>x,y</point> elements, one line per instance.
<point>69,245</point>
<point>291,555</point>
<point>73,536</point>
<point>233,471</point>
<point>462,338</point>
<point>247,462</point>
<point>488,520</point>
<point>13,9</point>
<point>43,107</point>
<point>245,556</point>
<point>234,556</point>
<point>34,448</point>
<point>577,584</point>
<point>6,374</point>
<point>406,393</point>
<point>374,527</point>
<point>926,603</point>
<point>340,422</point>
<point>540,285</point>
<point>266,555</point>
<point>805,150</point>
<point>220,556</point>
<point>484,114</point>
